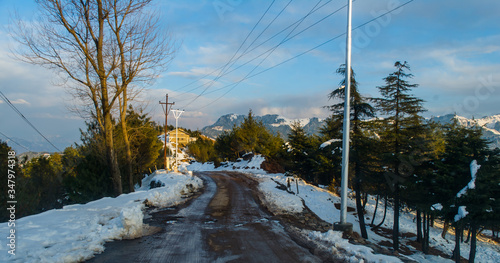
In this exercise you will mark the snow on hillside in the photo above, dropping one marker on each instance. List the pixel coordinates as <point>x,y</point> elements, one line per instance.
<point>322,203</point>
<point>78,232</point>
<point>275,123</point>
<point>288,122</point>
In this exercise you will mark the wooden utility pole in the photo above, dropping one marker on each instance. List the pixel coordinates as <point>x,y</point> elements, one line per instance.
<point>166,110</point>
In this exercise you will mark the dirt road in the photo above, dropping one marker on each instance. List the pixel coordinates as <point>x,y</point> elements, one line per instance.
<point>224,224</point>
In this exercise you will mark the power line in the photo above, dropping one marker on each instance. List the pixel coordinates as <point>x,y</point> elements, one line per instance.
<point>26,120</point>
<point>264,30</point>
<point>305,52</point>
<point>248,51</point>
<point>275,47</point>
<point>287,38</point>
<point>231,59</point>
<point>10,139</point>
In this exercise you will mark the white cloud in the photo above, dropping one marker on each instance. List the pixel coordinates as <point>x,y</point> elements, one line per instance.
<point>195,72</point>
<point>20,101</point>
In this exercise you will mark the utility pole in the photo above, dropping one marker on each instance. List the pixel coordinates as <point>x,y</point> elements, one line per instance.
<point>343,225</point>
<point>166,110</point>
<point>177,114</point>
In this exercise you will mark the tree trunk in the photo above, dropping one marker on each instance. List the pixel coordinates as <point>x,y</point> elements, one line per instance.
<point>456,251</point>
<point>383,218</point>
<point>468,235</point>
<point>395,227</point>
<point>472,253</point>
<point>419,226</point>
<point>375,211</point>
<point>128,153</point>
<point>446,226</point>
<point>426,238</point>
<point>111,156</point>
<point>365,201</point>
<point>359,208</point>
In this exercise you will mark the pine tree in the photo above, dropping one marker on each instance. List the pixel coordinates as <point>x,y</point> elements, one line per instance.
<point>141,150</point>
<point>457,190</point>
<point>403,123</point>
<point>360,150</point>
<point>302,153</point>
<point>9,170</point>
<point>250,136</point>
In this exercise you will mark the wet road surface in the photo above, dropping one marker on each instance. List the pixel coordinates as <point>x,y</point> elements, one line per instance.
<point>224,224</point>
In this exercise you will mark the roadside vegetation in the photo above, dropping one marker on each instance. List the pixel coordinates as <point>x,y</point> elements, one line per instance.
<point>446,172</point>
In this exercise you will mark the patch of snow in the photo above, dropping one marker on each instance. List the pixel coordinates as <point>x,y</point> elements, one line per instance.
<point>252,165</point>
<point>328,143</point>
<point>462,213</point>
<point>474,167</point>
<point>285,121</point>
<point>437,207</point>
<point>279,201</point>
<point>351,252</point>
<point>218,128</point>
<point>76,232</point>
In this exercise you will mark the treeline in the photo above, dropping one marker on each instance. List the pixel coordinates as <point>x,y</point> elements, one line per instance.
<point>250,137</point>
<point>80,174</point>
<point>445,172</point>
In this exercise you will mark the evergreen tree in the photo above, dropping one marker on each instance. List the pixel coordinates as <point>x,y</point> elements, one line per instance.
<point>9,170</point>
<point>456,188</point>
<point>403,124</point>
<point>250,136</point>
<point>44,188</point>
<point>144,146</point>
<point>202,149</point>
<point>360,147</point>
<point>302,153</point>
<point>87,178</point>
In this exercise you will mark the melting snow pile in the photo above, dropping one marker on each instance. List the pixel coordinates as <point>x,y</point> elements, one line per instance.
<point>279,202</point>
<point>350,252</point>
<point>241,165</point>
<point>77,232</point>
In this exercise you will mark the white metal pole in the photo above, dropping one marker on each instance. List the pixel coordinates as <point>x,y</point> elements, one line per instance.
<point>177,114</point>
<point>347,117</point>
<point>176,143</point>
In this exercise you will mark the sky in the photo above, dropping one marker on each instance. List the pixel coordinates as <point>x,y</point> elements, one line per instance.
<point>282,61</point>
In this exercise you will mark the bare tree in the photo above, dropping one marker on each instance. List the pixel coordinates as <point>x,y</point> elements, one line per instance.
<point>103,48</point>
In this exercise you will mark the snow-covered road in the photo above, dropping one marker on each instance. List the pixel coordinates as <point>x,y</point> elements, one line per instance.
<point>225,223</point>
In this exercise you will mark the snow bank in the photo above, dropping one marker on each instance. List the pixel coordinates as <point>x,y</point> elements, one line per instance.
<point>279,201</point>
<point>252,165</point>
<point>351,252</point>
<point>76,232</point>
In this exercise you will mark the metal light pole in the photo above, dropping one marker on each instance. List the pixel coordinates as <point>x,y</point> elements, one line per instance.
<point>343,225</point>
<point>177,114</point>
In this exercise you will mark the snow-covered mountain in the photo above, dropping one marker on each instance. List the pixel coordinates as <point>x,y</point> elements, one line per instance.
<point>281,125</point>
<point>275,123</point>
<point>490,125</point>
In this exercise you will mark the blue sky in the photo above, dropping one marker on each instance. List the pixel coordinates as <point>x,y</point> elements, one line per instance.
<point>453,48</point>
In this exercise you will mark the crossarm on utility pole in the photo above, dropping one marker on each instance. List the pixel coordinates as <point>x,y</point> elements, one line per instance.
<point>166,110</point>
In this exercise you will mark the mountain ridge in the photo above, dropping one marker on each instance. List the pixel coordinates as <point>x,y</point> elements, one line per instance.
<point>281,125</point>
<point>275,123</point>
